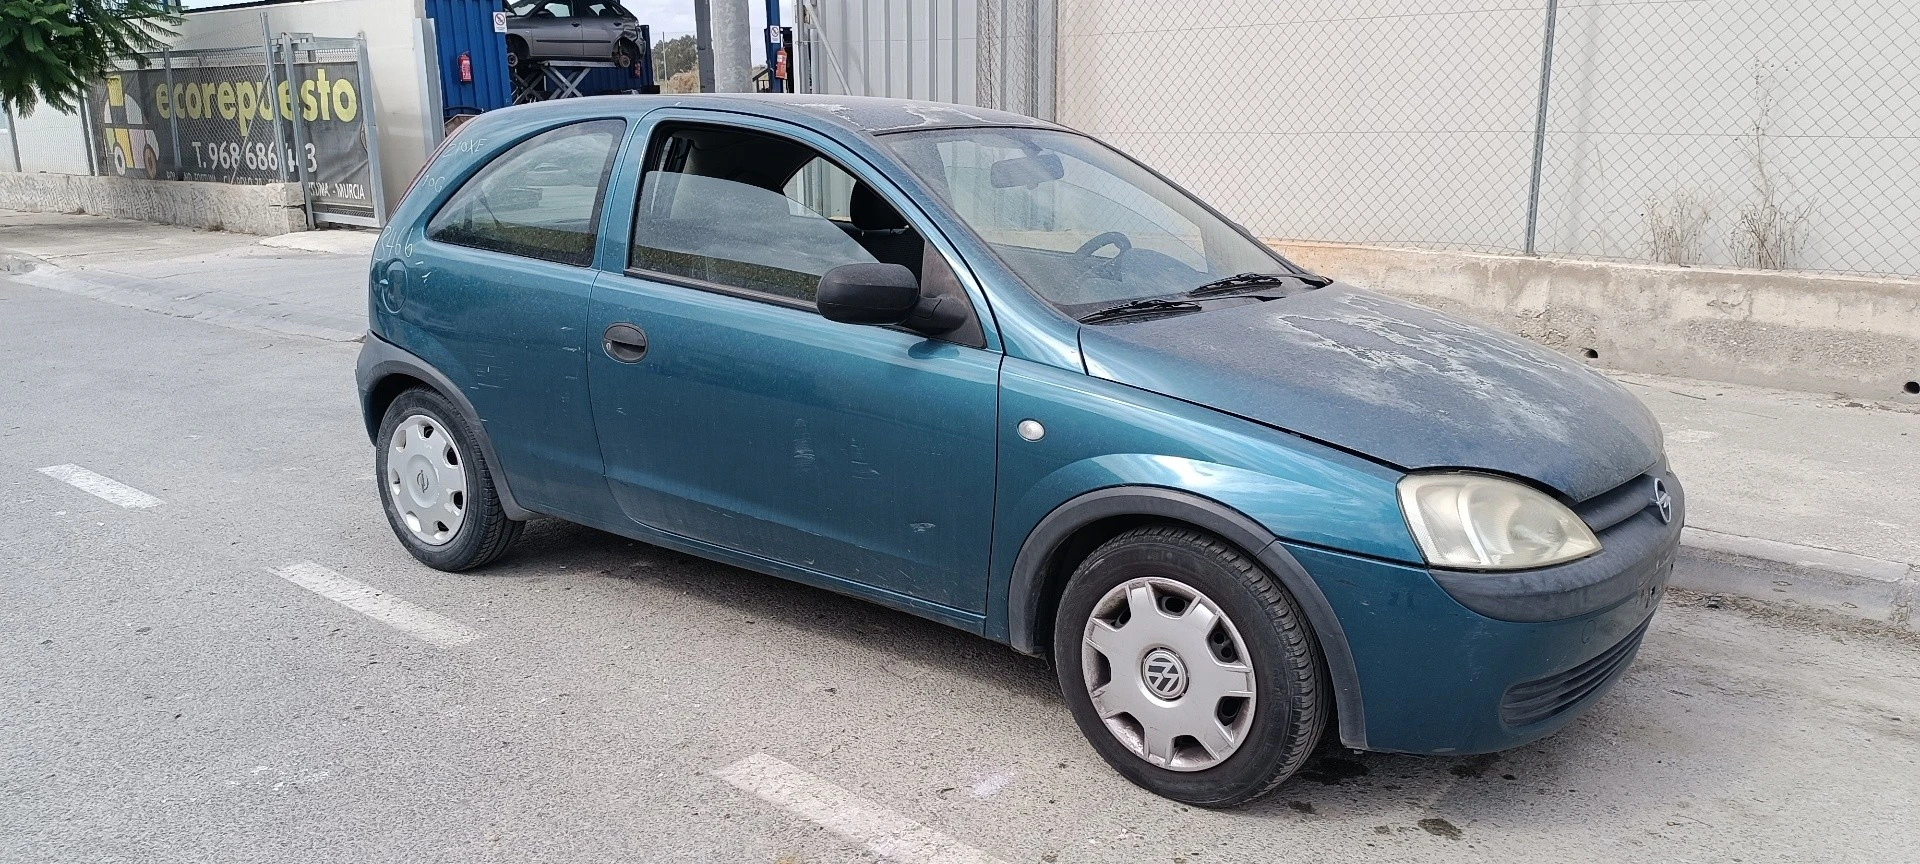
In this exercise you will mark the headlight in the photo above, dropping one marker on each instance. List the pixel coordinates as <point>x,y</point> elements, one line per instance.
<point>1480,522</point>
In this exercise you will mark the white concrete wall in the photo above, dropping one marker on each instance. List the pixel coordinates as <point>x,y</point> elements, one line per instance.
<point>52,142</point>
<point>407,131</point>
<point>1411,121</point>
<point>1835,334</point>
<point>272,208</point>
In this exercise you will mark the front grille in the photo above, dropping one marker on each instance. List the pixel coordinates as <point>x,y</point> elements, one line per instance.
<point>1620,503</point>
<point>1535,701</point>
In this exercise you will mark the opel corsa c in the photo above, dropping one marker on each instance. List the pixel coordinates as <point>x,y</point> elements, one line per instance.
<point>991,371</point>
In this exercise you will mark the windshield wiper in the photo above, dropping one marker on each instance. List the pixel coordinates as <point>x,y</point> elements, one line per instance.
<point>1138,308</point>
<point>1257,280</point>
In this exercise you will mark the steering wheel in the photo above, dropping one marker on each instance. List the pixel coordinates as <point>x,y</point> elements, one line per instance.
<point>1110,268</point>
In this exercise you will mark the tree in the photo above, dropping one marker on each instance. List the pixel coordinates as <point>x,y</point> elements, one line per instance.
<point>56,49</point>
<point>670,57</point>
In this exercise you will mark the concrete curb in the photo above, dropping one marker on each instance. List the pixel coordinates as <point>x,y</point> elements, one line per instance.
<point>336,242</point>
<point>1855,586</point>
<point>122,290</point>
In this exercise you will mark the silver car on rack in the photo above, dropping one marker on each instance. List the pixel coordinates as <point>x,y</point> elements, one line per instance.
<point>580,30</point>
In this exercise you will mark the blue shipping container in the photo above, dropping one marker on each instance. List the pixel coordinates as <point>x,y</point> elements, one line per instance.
<point>466,27</point>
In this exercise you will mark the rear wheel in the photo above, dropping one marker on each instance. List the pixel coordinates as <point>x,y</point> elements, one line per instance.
<point>516,52</point>
<point>1188,668</point>
<point>624,53</point>
<point>437,487</point>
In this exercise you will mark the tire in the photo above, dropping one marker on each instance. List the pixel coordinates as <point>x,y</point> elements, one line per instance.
<point>441,462</point>
<point>1263,736</point>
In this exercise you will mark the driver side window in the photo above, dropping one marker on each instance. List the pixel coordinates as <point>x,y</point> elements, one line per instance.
<point>759,213</point>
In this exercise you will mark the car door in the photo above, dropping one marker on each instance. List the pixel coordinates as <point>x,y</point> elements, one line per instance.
<point>555,34</point>
<point>601,22</point>
<point>497,291</point>
<point>731,413</point>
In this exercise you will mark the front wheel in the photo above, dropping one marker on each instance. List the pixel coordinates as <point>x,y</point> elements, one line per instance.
<point>436,486</point>
<point>1190,670</point>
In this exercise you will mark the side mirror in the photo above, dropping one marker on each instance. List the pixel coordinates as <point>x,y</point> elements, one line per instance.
<point>867,294</point>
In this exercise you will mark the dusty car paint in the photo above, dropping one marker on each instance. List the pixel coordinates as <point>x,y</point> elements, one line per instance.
<point>1283,425</point>
<point>1395,381</point>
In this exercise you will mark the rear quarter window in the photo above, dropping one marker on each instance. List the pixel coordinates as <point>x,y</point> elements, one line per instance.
<point>540,199</point>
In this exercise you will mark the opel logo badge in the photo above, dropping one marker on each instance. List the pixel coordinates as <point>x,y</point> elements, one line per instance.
<point>1164,674</point>
<point>1663,500</point>
<point>420,480</point>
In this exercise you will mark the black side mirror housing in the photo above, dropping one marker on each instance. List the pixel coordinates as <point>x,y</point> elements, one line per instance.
<point>867,294</point>
<point>885,294</point>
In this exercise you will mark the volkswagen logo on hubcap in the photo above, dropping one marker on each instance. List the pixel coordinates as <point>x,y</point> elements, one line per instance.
<point>1164,674</point>
<point>1662,500</point>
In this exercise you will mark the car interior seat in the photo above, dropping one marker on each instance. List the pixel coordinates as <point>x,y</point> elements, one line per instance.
<point>882,231</point>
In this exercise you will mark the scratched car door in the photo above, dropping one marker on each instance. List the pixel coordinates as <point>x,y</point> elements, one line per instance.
<point>731,413</point>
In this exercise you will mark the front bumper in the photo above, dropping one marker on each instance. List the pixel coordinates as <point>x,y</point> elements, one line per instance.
<point>1508,658</point>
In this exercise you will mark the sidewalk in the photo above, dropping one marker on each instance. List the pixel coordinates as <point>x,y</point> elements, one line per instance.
<point>235,280</point>
<point>1829,487</point>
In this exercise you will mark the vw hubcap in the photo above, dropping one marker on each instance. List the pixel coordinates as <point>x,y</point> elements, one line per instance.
<point>1168,674</point>
<point>427,480</point>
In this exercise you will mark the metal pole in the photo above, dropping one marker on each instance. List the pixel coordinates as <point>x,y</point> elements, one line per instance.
<point>273,97</point>
<point>703,44</point>
<point>773,51</point>
<point>87,134</point>
<point>173,112</point>
<point>13,138</point>
<point>1540,126</point>
<point>298,124</point>
<point>370,130</point>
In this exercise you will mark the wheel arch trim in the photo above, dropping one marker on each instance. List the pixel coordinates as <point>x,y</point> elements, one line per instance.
<point>381,360</point>
<point>1029,589</point>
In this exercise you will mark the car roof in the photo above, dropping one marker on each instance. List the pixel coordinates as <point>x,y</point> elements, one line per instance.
<point>867,115</point>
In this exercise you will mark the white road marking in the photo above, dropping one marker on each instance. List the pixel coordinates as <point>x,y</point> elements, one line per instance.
<point>888,834</point>
<point>378,605</point>
<point>102,487</point>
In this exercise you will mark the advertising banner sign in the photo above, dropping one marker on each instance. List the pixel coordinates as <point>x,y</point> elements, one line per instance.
<point>226,120</point>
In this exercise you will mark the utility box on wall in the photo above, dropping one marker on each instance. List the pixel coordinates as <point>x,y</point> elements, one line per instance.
<point>466,27</point>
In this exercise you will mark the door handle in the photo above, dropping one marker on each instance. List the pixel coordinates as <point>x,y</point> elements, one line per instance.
<point>625,343</point>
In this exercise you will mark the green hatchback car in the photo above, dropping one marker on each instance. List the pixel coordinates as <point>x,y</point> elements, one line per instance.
<point>992,371</point>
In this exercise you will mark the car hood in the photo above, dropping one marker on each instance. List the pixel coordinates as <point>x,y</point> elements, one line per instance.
<point>1391,380</point>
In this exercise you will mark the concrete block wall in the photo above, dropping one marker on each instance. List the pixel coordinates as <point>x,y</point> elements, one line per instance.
<point>1853,336</point>
<point>272,209</point>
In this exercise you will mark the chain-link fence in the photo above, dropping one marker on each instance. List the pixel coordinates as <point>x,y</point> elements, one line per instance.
<point>1756,133</point>
<point>293,109</point>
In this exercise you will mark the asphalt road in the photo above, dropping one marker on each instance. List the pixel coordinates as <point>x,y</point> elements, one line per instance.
<point>165,696</point>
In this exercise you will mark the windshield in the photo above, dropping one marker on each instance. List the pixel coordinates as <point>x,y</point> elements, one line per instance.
<point>1084,226</point>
